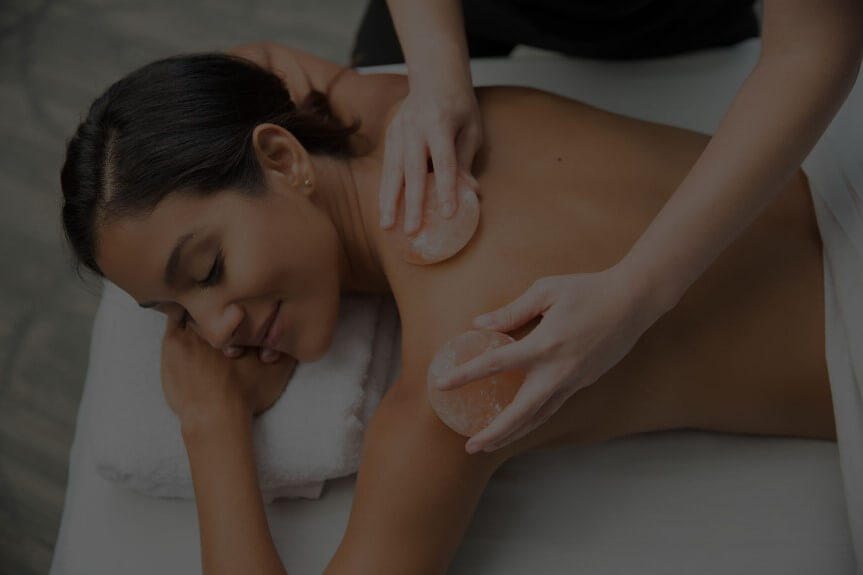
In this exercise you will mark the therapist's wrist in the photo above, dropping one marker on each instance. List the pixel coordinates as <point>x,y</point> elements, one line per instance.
<point>651,291</point>
<point>441,75</point>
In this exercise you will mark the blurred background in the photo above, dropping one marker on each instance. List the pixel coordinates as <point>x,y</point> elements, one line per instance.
<point>56,56</point>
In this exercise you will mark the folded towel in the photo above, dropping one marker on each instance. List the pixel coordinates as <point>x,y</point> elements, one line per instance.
<point>312,433</point>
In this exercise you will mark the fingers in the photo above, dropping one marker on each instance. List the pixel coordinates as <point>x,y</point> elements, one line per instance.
<point>446,171</point>
<point>494,361</point>
<point>527,306</point>
<point>269,355</point>
<point>522,410</point>
<point>265,355</point>
<point>392,176</point>
<point>234,351</point>
<point>415,180</point>
<point>467,144</point>
<point>544,413</point>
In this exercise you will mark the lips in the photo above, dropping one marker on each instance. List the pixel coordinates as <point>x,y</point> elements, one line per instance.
<point>259,340</point>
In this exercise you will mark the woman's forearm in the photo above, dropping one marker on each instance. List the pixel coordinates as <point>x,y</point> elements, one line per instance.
<point>805,72</point>
<point>235,536</point>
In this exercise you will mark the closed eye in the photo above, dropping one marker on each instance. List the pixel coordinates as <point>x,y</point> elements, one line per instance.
<point>216,272</point>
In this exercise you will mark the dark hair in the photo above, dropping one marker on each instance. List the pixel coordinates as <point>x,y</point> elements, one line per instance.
<point>180,124</point>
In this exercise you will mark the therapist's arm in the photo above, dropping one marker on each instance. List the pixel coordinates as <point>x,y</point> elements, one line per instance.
<point>810,57</point>
<point>440,117</point>
<point>431,34</point>
<point>300,72</point>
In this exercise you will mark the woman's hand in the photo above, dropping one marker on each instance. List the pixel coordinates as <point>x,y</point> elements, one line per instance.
<point>441,118</point>
<point>198,379</point>
<point>590,322</point>
<point>267,355</point>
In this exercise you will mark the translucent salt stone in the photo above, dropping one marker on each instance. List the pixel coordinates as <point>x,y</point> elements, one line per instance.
<point>470,408</point>
<point>438,238</point>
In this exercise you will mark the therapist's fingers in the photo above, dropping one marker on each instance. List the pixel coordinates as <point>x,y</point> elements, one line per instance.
<point>544,413</point>
<point>445,171</point>
<point>510,356</point>
<point>392,175</point>
<point>467,144</point>
<point>415,181</point>
<point>518,312</point>
<point>524,406</point>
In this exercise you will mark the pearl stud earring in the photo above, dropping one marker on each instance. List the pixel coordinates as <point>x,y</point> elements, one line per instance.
<point>307,182</point>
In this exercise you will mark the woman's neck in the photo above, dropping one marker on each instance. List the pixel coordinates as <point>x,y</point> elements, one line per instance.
<point>348,192</point>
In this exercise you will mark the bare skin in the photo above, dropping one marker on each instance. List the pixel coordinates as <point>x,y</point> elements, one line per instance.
<point>742,352</point>
<point>566,189</point>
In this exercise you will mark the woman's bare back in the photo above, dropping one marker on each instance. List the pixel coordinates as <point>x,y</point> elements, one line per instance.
<point>568,189</point>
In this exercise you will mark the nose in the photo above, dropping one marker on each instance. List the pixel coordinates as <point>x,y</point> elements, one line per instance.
<point>217,326</point>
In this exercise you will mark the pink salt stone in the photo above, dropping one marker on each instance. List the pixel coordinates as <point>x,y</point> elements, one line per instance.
<point>438,238</point>
<point>470,408</point>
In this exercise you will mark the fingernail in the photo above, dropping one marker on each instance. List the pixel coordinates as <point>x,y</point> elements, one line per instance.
<point>233,351</point>
<point>386,220</point>
<point>269,355</point>
<point>441,383</point>
<point>472,447</point>
<point>482,321</point>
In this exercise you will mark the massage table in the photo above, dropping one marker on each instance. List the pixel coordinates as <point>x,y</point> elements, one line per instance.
<point>676,502</point>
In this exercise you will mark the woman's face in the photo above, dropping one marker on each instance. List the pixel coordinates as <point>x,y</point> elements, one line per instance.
<point>275,253</point>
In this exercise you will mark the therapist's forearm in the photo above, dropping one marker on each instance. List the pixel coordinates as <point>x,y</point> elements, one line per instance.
<point>235,536</point>
<point>775,120</point>
<point>432,37</point>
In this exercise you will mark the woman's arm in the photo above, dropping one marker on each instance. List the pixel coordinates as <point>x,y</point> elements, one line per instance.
<point>416,490</point>
<point>810,57</point>
<point>235,536</point>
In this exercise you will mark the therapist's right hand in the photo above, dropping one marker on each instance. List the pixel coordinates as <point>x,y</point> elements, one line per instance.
<point>438,119</point>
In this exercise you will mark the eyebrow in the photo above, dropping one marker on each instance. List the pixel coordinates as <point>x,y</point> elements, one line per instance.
<point>171,267</point>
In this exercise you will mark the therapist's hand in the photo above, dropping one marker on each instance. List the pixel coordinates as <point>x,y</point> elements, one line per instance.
<point>589,323</point>
<point>440,119</point>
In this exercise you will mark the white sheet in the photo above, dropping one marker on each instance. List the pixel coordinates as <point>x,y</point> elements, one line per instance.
<point>666,503</point>
<point>835,172</point>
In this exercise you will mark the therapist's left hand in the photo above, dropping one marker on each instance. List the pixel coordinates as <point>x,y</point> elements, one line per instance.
<point>589,323</point>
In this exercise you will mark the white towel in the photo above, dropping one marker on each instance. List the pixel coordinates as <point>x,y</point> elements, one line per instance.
<point>835,172</point>
<point>312,433</point>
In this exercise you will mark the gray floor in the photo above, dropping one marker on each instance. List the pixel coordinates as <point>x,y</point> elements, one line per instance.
<point>55,57</point>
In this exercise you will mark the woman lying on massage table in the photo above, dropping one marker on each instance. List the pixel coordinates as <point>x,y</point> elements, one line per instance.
<point>276,209</point>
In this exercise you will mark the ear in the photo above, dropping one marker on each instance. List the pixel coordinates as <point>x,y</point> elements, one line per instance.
<point>277,150</point>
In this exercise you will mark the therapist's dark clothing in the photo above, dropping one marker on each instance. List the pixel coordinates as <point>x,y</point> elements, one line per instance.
<point>602,29</point>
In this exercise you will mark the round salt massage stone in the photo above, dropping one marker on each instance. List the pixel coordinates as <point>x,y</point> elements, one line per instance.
<point>470,408</point>
<point>439,238</point>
